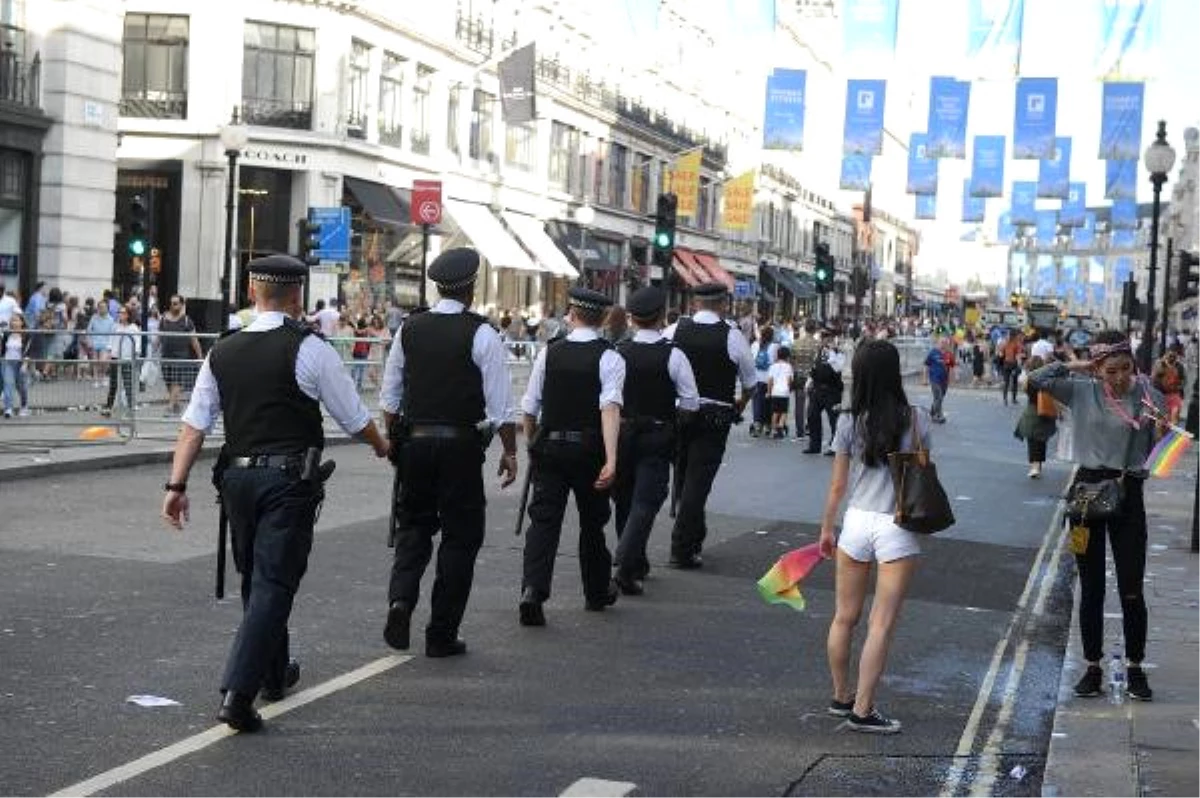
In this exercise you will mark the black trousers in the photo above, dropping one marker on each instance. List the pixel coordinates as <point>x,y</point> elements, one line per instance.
<point>641,487</point>
<point>703,449</point>
<point>271,517</point>
<point>123,372</point>
<point>1009,374</point>
<point>564,468</point>
<point>441,488</point>
<point>801,397</point>
<point>1127,535</point>
<point>1036,449</point>
<point>820,402</point>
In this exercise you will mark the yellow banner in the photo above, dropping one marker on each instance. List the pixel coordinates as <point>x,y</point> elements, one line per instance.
<point>685,183</point>
<point>738,213</point>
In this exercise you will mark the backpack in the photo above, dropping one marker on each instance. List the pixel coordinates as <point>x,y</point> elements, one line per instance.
<point>762,361</point>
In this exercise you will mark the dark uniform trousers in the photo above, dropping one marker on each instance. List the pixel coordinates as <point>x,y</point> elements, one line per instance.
<point>563,466</point>
<point>703,449</point>
<point>822,400</point>
<point>441,488</point>
<point>271,517</point>
<point>643,474</point>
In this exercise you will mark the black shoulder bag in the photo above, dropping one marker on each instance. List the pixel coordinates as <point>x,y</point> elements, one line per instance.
<point>921,501</point>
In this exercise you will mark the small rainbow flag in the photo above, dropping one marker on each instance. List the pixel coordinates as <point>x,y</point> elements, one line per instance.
<point>1167,452</point>
<point>780,585</point>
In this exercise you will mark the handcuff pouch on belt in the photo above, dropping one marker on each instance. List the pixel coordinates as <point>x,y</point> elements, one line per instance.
<point>715,417</point>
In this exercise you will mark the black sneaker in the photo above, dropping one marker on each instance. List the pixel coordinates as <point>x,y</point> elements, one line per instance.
<point>873,723</point>
<point>1136,685</point>
<point>840,709</point>
<point>1090,684</point>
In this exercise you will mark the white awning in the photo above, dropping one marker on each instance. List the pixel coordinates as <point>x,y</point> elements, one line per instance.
<point>488,236</point>
<point>546,253</point>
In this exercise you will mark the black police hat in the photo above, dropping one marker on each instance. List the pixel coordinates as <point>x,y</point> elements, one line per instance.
<point>455,268</point>
<point>646,303</point>
<point>587,299</point>
<point>277,269</point>
<point>710,290</point>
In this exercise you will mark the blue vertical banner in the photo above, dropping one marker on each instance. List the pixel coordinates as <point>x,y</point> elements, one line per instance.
<point>863,131</point>
<point>1005,233</point>
<point>869,27</point>
<point>1055,173</point>
<point>1074,207</point>
<point>994,37</point>
<point>926,206</point>
<point>1123,270</point>
<point>1024,197</point>
<point>922,170</point>
<point>1068,278</point>
<point>1121,121</point>
<point>783,125</point>
<point>1130,33</point>
<point>856,173</point>
<point>1047,228</point>
<point>1099,295</point>
<point>1034,121</point>
<point>1123,239</point>
<point>1120,180</point>
<point>1124,215</point>
<point>1046,280</point>
<point>1084,236</point>
<point>949,102</point>
<point>987,166</point>
<point>974,209</point>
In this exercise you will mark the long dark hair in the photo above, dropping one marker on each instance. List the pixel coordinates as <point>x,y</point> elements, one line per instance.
<point>877,402</point>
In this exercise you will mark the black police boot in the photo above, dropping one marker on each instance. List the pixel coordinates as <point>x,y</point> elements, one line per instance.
<point>395,633</point>
<point>276,692</point>
<point>609,598</point>
<point>686,562</point>
<point>530,608</point>
<point>630,586</point>
<point>435,647</point>
<point>237,711</point>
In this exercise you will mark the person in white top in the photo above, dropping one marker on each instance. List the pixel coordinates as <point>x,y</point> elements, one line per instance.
<point>1043,347</point>
<point>126,339</point>
<point>779,390</point>
<point>326,318</point>
<point>8,305</point>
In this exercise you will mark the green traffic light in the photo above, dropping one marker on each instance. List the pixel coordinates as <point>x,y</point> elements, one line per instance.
<point>137,247</point>
<point>662,240</point>
<point>822,274</point>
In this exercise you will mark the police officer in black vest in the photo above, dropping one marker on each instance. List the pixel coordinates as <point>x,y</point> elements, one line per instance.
<point>659,384</point>
<point>720,356</point>
<point>576,386</point>
<point>265,381</point>
<point>446,386</point>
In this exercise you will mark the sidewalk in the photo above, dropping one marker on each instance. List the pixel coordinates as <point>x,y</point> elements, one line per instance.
<point>1136,748</point>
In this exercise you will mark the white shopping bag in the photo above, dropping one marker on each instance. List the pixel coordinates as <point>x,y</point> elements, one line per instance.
<point>1066,436</point>
<point>150,373</point>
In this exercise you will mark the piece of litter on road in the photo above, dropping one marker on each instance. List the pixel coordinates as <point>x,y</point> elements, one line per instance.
<point>151,701</point>
<point>1058,734</point>
<point>962,498</point>
<point>1018,772</point>
<point>761,532</point>
<point>588,787</point>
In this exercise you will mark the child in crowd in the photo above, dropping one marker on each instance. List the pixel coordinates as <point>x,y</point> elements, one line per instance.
<point>780,379</point>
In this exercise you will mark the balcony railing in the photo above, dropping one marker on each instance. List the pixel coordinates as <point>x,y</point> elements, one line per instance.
<point>356,126</point>
<point>420,142</point>
<point>391,136</point>
<point>155,105</point>
<point>20,80</point>
<point>277,113</point>
<point>479,35</point>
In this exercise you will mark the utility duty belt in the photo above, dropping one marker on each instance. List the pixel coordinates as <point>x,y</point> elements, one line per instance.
<point>573,436</point>
<point>445,432</point>
<point>307,465</point>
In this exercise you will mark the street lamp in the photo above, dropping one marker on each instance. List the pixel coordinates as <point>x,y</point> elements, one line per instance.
<point>233,138</point>
<point>1159,159</point>
<point>585,214</point>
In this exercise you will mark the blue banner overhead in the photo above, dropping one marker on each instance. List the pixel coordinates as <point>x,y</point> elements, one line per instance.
<point>994,37</point>
<point>973,208</point>
<point>1024,197</point>
<point>783,126</point>
<point>1123,215</point>
<point>1054,173</point>
<point>987,166</point>
<point>856,173</point>
<point>1047,227</point>
<point>1123,239</point>
<point>1098,295</point>
<point>1034,122</point>
<point>863,131</point>
<point>869,27</point>
<point>1084,236</point>
<point>922,170</point>
<point>1120,179</point>
<point>1074,207</point>
<point>1128,39</point>
<point>1121,121</point>
<point>949,102</point>
<point>1004,229</point>
<point>1046,280</point>
<point>1123,270</point>
<point>926,206</point>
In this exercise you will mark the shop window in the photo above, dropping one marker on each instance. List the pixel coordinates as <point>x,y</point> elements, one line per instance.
<point>154,76</point>
<point>360,72</point>
<point>420,100</point>
<point>519,146</point>
<point>391,84</point>
<point>277,75</point>
<point>482,116</point>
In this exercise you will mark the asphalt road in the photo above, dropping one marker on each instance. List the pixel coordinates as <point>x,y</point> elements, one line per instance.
<point>696,688</point>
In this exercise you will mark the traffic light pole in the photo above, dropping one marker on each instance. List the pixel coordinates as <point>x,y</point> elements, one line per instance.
<point>424,264</point>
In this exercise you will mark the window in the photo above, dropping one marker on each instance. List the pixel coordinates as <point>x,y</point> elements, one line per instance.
<point>702,209</point>
<point>482,116</point>
<point>154,78</point>
<point>360,71</point>
<point>277,75</point>
<point>598,171</point>
<point>391,83</point>
<point>639,194</point>
<point>452,120</point>
<point>12,176</point>
<point>618,166</point>
<point>519,146</point>
<point>564,156</point>
<point>420,100</point>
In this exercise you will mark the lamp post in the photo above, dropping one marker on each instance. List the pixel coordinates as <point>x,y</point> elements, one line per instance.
<point>1159,159</point>
<point>585,215</point>
<point>233,138</point>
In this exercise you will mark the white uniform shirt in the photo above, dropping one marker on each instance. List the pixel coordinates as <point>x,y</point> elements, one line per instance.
<point>487,352</point>
<point>736,345</point>
<point>612,375</point>
<point>319,374</point>
<point>678,367</point>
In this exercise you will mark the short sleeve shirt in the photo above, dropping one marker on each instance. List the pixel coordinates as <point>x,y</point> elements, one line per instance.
<point>871,488</point>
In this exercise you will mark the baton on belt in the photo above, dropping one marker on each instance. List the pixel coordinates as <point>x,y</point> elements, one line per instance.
<point>222,538</point>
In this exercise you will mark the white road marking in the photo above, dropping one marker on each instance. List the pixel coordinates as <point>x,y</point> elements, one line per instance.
<point>588,787</point>
<point>204,739</point>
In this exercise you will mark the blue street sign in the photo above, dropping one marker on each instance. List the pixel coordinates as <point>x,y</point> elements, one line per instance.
<point>334,235</point>
<point>743,289</point>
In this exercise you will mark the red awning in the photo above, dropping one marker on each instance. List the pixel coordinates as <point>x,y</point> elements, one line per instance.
<point>686,267</point>
<point>713,268</point>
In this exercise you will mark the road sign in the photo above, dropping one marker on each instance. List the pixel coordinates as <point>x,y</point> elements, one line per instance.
<point>743,289</point>
<point>334,234</point>
<point>155,260</point>
<point>426,202</point>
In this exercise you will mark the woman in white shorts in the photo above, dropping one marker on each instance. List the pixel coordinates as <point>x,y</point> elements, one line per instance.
<point>878,423</point>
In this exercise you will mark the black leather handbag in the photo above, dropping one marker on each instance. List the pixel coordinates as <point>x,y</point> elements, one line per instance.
<point>1095,501</point>
<point>921,502</point>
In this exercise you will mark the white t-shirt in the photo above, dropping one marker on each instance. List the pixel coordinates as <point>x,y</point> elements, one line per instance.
<point>327,319</point>
<point>13,347</point>
<point>8,304</point>
<point>780,375</point>
<point>1042,348</point>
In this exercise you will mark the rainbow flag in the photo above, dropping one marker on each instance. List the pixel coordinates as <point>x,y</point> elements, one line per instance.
<point>780,585</point>
<point>1167,452</point>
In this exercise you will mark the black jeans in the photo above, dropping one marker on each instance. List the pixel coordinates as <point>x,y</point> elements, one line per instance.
<point>441,489</point>
<point>1010,373</point>
<point>1126,533</point>
<point>121,371</point>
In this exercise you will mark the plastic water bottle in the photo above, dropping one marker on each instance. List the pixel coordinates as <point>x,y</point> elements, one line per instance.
<point>1116,680</point>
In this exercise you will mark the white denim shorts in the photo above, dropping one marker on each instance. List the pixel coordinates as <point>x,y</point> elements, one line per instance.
<point>870,536</point>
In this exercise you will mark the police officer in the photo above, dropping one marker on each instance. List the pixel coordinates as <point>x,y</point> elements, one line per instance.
<point>659,383</point>
<point>826,394</point>
<point>576,385</point>
<point>265,381</point>
<point>720,357</point>
<point>446,386</point>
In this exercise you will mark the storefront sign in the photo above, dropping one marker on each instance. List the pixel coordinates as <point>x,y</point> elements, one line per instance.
<point>279,157</point>
<point>426,206</point>
<point>8,264</point>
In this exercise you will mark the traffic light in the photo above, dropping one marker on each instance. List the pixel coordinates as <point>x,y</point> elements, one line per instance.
<point>310,241</point>
<point>664,230</point>
<point>825,269</point>
<point>1189,275</point>
<point>138,233</point>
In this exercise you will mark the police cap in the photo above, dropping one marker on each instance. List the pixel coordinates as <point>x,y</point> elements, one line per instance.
<point>710,291</point>
<point>455,268</point>
<point>646,303</point>
<point>279,268</point>
<point>587,299</point>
